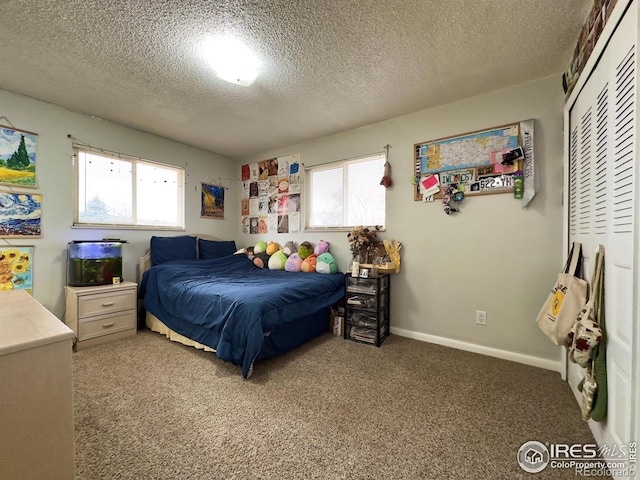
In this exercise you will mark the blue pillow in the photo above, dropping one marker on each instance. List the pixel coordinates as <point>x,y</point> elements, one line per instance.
<point>210,249</point>
<point>167,249</point>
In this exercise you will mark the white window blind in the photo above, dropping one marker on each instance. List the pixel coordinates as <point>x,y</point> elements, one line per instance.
<point>346,193</point>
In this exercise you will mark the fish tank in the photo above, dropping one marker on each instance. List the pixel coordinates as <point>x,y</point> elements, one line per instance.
<point>94,262</point>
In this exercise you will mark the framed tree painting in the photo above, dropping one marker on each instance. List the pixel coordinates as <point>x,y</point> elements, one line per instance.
<point>16,268</point>
<point>17,157</point>
<point>212,202</point>
<point>20,215</point>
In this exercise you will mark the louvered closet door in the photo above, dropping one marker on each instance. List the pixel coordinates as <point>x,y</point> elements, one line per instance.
<point>602,189</point>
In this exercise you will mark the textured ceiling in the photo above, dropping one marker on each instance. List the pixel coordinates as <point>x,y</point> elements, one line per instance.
<point>329,65</point>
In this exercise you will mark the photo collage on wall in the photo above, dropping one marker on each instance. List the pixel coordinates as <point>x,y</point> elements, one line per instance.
<point>271,196</point>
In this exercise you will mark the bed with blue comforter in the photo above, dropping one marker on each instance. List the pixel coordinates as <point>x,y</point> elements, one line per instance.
<point>243,312</point>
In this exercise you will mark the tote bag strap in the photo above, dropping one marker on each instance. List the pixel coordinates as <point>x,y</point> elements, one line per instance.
<point>597,299</point>
<point>598,287</point>
<point>597,283</point>
<point>574,261</point>
<point>598,360</point>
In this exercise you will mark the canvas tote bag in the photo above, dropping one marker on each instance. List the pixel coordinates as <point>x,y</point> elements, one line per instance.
<point>567,297</point>
<point>595,382</point>
<point>586,333</point>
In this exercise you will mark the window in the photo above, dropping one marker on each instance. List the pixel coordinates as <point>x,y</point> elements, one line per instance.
<point>116,190</point>
<point>346,193</point>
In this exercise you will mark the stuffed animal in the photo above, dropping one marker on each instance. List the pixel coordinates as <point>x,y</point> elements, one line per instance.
<point>260,247</point>
<point>289,248</point>
<point>272,248</point>
<point>261,260</point>
<point>277,261</point>
<point>322,247</point>
<point>294,263</point>
<point>309,263</point>
<point>246,251</point>
<point>326,264</point>
<point>305,250</point>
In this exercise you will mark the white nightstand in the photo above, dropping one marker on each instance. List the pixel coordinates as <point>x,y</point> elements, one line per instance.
<point>103,313</point>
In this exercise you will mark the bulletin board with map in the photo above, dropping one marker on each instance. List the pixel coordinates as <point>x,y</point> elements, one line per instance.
<point>271,196</point>
<point>471,160</point>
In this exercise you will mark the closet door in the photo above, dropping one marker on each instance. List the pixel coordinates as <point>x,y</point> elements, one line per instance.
<point>602,210</point>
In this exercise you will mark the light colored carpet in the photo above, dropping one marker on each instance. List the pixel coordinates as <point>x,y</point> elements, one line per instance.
<point>149,408</point>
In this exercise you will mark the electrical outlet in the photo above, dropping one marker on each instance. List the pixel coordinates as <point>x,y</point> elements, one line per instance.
<point>481,317</point>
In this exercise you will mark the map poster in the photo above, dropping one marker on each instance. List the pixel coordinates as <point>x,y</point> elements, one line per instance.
<point>472,160</point>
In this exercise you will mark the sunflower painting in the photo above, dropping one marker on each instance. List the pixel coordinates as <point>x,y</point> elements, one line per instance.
<point>16,268</point>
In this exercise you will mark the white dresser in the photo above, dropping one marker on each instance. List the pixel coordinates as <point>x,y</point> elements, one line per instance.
<point>102,313</point>
<point>36,391</point>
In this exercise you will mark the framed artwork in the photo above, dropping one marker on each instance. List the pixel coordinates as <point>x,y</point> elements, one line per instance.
<point>16,268</point>
<point>473,161</point>
<point>17,157</point>
<point>212,201</point>
<point>20,215</point>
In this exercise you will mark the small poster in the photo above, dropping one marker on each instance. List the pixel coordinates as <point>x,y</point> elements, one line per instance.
<point>283,224</point>
<point>17,157</point>
<point>263,226</point>
<point>294,203</point>
<point>283,204</point>
<point>212,201</point>
<point>273,223</point>
<point>20,215</point>
<point>253,225</point>
<point>254,172</point>
<point>294,222</point>
<point>253,190</point>
<point>245,189</point>
<point>16,268</point>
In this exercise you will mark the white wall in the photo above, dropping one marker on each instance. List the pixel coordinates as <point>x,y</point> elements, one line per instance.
<point>54,176</point>
<point>492,256</point>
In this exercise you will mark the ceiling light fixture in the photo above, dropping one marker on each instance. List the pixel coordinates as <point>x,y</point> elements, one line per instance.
<point>233,61</point>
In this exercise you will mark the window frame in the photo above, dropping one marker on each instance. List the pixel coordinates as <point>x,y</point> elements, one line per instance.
<point>135,161</point>
<point>332,166</point>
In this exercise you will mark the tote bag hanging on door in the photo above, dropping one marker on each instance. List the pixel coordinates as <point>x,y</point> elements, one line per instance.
<point>586,332</point>
<point>567,297</point>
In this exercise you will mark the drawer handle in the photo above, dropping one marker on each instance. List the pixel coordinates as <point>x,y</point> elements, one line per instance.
<point>108,325</point>
<point>108,304</point>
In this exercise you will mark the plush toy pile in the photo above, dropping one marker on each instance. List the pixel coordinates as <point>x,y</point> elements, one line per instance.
<point>304,258</point>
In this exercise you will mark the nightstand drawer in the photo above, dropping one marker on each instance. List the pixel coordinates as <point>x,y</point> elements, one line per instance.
<point>106,324</point>
<point>98,304</point>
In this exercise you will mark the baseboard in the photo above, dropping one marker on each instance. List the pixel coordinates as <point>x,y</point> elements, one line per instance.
<point>547,364</point>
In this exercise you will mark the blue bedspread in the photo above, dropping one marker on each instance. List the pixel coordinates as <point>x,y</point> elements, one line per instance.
<point>229,304</point>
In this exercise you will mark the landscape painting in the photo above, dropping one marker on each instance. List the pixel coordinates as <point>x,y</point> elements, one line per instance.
<point>16,268</point>
<point>17,157</point>
<point>212,201</point>
<point>20,215</point>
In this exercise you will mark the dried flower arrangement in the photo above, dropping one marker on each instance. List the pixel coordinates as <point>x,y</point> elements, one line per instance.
<point>361,240</point>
